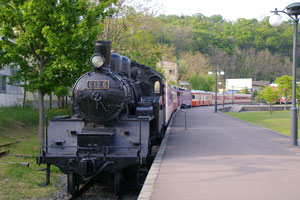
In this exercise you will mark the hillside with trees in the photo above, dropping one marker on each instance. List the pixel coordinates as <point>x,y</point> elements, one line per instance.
<point>246,48</point>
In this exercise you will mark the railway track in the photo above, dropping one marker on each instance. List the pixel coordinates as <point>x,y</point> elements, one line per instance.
<point>100,189</point>
<point>95,190</point>
<point>83,188</point>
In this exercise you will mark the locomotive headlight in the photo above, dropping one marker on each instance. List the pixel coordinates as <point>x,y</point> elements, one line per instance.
<point>97,61</point>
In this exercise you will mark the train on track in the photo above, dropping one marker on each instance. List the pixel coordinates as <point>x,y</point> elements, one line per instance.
<point>120,110</point>
<point>201,98</point>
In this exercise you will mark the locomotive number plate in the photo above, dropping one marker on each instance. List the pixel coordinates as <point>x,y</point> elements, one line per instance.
<point>98,85</point>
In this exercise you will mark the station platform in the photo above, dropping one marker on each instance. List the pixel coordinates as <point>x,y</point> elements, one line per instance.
<point>220,157</point>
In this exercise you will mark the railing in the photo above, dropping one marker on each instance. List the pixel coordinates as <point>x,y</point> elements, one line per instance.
<point>184,117</point>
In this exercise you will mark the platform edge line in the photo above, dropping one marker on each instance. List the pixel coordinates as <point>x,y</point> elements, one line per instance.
<point>149,184</point>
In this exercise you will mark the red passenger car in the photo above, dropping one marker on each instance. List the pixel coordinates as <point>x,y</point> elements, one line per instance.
<point>201,98</point>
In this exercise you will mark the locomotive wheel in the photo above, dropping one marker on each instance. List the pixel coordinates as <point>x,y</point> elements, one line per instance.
<point>72,183</point>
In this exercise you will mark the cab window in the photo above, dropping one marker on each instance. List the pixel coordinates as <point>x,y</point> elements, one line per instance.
<point>156,87</point>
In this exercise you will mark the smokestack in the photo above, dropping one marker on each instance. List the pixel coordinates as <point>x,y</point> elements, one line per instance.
<point>103,47</point>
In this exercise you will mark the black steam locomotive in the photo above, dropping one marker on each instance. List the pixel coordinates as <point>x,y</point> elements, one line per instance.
<point>119,111</point>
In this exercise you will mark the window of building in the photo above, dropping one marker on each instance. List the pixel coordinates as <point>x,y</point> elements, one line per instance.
<point>13,73</point>
<point>172,71</point>
<point>2,83</point>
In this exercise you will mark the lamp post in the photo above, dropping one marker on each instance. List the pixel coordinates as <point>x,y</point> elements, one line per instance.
<point>216,92</point>
<point>220,84</point>
<point>223,95</point>
<point>292,10</point>
<point>232,95</point>
<point>224,86</point>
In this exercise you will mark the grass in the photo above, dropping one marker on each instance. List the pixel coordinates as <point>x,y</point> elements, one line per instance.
<point>17,181</point>
<point>279,121</point>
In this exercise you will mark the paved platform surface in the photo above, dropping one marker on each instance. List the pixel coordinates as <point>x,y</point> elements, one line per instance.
<point>220,157</point>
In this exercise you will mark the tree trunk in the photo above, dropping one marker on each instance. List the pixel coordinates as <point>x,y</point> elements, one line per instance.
<point>50,102</point>
<point>62,102</point>
<point>24,96</point>
<point>271,109</point>
<point>285,102</point>
<point>58,102</point>
<point>41,116</point>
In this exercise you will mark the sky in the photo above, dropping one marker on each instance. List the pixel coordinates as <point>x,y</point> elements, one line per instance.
<point>230,9</point>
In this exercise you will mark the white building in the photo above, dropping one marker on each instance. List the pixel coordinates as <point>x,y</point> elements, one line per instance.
<point>238,84</point>
<point>9,94</point>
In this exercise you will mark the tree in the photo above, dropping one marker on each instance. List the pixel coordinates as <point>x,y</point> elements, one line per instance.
<point>245,91</point>
<point>298,96</point>
<point>270,95</point>
<point>284,84</point>
<point>192,64</point>
<point>50,41</point>
<point>201,82</point>
<point>132,32</point>
<point>244,48</point>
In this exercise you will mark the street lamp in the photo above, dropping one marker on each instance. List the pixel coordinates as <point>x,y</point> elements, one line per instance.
<point>216,92</point>
<point>292,10</point>
<point>232,95</point>
<point>220,83</point>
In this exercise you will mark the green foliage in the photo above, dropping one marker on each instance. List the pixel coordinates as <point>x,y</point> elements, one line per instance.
<point>134,34</point>
<point>278,121</point>
<point>258,99</point>
<point>204,83</point>
<point>284,84</point>
<point>246,47</point>
<point>51,41</point>
<point>245,91</point>
<point>270,95</point>
<point>171,82</point>
<point>298,96</point>
<point>27,116</point>
<point>16,181</point>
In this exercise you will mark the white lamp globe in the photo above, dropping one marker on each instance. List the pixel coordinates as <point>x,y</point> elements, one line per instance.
<point>275,20</point>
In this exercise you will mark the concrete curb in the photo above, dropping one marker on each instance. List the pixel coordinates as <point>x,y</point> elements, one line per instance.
<point>149,184</point>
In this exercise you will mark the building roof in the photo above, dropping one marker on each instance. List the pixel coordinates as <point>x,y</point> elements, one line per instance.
<point>258,83</point>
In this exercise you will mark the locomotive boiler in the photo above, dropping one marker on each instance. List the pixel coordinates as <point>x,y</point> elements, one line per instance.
<point>119,111</point>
